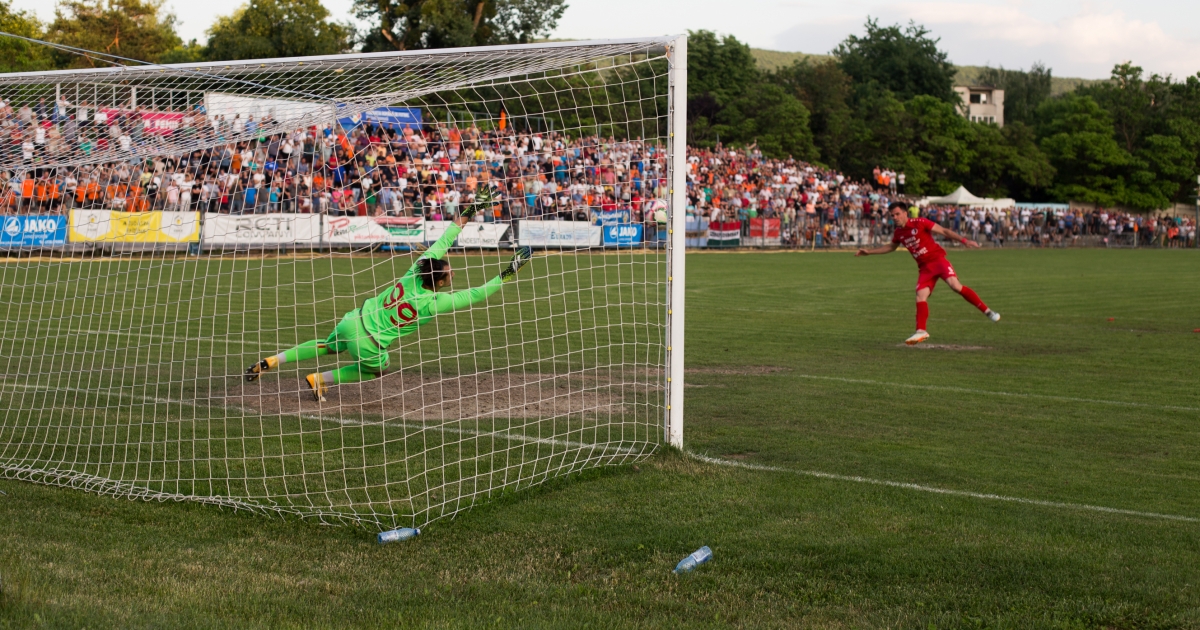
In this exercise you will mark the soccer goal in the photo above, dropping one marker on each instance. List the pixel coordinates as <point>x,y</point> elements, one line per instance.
<point>166,226</point>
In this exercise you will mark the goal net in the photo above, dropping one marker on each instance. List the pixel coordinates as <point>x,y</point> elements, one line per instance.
<point>166,227</point>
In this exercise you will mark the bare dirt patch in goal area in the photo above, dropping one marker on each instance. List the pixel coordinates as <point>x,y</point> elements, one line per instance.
<point>943,346</point>
<point>411,396</point>
<point>738,370</point>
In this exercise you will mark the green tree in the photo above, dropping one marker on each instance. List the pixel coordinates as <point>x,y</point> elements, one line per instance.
<point>1077,136</point>
<point>1131,101</point>
<point>422,24</point>
<point>18,55</point>
<point>719,70</point>
<point>825,90</point>
<point>905,61</point>
<point>944,140</point>
<point>1024,90</point>
<point>135,29</point>
<point>766,115</point>
<point>190,52</point>
<point>277,28</point>
<point>1155,121</point>
<point>1008,163</point>
<point>881,135</point>
<point>730,101</point>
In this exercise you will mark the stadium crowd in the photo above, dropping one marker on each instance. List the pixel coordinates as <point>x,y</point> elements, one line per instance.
<point>822,208</point>
<point>376,169</point>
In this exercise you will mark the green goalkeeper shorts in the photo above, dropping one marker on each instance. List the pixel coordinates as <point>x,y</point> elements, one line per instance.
<point>351,335</point>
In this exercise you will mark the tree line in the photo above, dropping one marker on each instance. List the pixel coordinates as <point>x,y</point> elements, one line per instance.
<point>145,31</point>
<point>884,98</point>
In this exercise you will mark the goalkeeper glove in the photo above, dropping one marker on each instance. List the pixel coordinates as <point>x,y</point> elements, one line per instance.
<point>485,198</point>
<point>519,260</point>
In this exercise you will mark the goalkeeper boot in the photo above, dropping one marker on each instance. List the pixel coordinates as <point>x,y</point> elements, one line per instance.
<point>918,337</point>
<point>316,383</point>
<point>992,315</point>
<point>256,370</point>
<point>519,259</point>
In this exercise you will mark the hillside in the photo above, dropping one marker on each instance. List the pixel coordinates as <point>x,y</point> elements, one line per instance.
<point>770,60</point>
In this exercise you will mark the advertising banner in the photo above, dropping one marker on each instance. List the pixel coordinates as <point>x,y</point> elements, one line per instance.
<point>364,230</point>
<point>725,234</point>
<point>280,110</point>
<point>697,232</point>
<point>617,235</point>
<point>763,232</point>
<point>262,229</point>
<point>35,231</point>
<point>110,226</point>
<point>157,123</point>
<point>482,235</point>
<point>558,234</point>
<point>613,217</point>
<point>389,117</point>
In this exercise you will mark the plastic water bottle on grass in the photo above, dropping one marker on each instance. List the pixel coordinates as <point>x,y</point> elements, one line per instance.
<point>396,535</point>
<point>699,557</point>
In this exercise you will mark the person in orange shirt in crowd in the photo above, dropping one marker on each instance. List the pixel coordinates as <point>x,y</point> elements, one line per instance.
<point>27,189</point>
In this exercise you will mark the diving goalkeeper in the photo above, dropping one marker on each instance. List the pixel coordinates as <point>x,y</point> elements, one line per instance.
<point>414,300</point>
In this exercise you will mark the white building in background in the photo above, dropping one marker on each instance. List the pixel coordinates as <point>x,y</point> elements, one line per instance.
<point>981,104</point>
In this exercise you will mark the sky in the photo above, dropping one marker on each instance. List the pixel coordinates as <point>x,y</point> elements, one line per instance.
<point>1075,38</point>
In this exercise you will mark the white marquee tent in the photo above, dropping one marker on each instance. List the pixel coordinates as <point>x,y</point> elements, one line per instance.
<point>963,197</point>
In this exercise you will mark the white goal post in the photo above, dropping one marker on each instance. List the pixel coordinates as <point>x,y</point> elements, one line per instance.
<point>167,227</point>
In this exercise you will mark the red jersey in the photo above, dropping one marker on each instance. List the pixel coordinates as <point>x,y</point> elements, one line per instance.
<point>917,237</point>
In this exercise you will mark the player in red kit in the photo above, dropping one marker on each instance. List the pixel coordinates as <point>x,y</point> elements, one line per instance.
<point>916,235</point>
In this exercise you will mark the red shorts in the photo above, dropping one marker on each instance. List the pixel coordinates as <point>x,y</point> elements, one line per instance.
<point>929,273</point>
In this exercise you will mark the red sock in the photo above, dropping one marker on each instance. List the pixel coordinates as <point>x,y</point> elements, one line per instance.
<point>922,314</point>
<point>973,298</point>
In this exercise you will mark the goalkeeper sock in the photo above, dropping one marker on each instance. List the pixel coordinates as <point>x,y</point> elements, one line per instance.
<point>973,298</point>
<point>922,315</point>
<point>307,350</point>
<point>348,374</point>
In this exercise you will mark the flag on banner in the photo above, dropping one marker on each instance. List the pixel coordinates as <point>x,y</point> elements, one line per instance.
<point>725,234</point>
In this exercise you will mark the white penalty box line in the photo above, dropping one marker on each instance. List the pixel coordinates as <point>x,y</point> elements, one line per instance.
<point>992,392</point>
<point>943,491</point>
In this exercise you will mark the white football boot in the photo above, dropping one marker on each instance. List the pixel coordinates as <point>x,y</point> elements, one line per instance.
<point>918,337</point>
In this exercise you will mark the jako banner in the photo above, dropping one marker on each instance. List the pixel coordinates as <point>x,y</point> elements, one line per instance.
<point>389,117</point>
<point>618,235</point>
<point>23,230</point>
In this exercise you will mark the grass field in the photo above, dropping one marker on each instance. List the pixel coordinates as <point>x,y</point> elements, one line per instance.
<point>1038,427</point>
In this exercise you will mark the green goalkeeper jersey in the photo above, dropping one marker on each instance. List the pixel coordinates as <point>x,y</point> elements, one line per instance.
<point>401,308</point>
